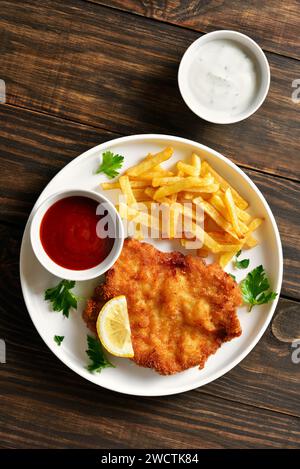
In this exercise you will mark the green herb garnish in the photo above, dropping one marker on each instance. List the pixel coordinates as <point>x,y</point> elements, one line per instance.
<point>58,339</point>
<point>61,297</point>
<point>96,355</point>
<point>243,264</point>
<point>111,162</point>
<point>255,288</point>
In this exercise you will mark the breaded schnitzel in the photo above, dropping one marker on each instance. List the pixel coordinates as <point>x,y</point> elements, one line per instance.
<point>180,309</point>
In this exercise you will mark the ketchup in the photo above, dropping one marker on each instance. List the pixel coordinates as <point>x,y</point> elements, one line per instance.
<point>68,234</point>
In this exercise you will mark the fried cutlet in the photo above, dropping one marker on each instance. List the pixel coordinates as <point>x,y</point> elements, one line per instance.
<point>180,309</point>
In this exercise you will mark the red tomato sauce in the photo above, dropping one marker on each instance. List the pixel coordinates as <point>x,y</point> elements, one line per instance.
<point>68,234</point>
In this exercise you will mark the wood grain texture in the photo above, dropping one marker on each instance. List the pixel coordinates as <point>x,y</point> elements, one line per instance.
<point>273,24</point>
<point>34,147</point>
<point>44,404</point>
<point>105,68</point>
<point>86,74</point>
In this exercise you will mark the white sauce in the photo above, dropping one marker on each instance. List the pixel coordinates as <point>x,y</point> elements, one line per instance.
<point>223,79</point>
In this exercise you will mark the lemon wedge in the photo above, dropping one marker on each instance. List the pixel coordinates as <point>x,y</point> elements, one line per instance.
<point>113,327</point>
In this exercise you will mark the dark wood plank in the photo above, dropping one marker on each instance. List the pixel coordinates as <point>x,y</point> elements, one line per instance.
<point>274,24</point>
<point>109,69</point>
<point>43,404</point>
<point>34,147</point>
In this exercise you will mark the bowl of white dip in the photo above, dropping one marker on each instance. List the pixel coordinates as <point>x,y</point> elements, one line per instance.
<point>224,77</point>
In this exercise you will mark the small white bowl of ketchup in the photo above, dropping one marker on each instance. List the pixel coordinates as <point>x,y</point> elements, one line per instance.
<point>77,234</point>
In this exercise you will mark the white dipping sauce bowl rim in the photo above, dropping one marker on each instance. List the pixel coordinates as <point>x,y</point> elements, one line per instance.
<point>53,267</point>
<point>247,43</point>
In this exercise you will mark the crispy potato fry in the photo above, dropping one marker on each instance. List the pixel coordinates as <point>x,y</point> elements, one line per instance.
<point>216,216</point>
<point>207,241</point>
<point>106,186</point>
<point>187,168</point>
<point>126,189</point>
<point>174,213</point>
<point>218,202</point>
<point>143,218</point>
<point>250,242</point>
<point>227,256</point>
<point>230,205</point>
<point>207,189</point>
<point>206,168</point>
<point>256,222</point>
<point>196,162</point>
<point>165,181</point>
<point>222,237</point>
<point>140,195</point>
<point>184,184</point>
<point>138,232</point>
<point>243,216</point>
<point>156,168</point>
<point>116,185</point>
<point>150,175</point>
<point>148,164</point>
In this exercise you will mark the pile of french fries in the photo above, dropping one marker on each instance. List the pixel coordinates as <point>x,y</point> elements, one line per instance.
<point>227,226</point>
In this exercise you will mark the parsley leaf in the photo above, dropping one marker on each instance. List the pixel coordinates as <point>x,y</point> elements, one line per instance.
<point>96,355</point>
<point>243,264</point>
<point>61,297</point>
<point>254,288</point>
<point>111,162</point>
<point>58,339</point>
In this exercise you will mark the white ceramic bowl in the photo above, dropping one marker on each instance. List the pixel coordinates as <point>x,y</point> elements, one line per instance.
<point>70,274</point>
<point>259,61</point>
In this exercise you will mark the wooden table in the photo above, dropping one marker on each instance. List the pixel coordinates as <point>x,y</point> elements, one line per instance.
<point>79,73</point>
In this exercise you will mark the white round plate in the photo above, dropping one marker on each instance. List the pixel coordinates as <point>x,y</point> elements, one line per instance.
<point>127,377</point>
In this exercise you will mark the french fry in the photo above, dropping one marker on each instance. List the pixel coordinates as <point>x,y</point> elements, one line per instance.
<point>126,189</point>
<point>230,205</point>
<point>152,174</point>
<point>138,232</point>
<point>106,186</point>
<point>207,189</point>
<point>187,168</point>
<point>185,183</point>
<point>150,191</point>
<point>250,242</point>
<point>216,216</point>
<point>227,256</point>
<point>174,213</point>
<point>217,201</point>
<point>165,181</point>
<point>116,185</point>
<point>222,237</point>
<point>196,162</point>
<point>256,222</point>
<point>143,218</point>
<point>243,216</point>
<point>140,195</point>
<point>207,241</point>
<point>156,168</point>
<point>240,202</point>
<point>148,164</point>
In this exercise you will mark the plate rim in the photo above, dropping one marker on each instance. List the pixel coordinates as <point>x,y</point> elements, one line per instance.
<point>253,343</point>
